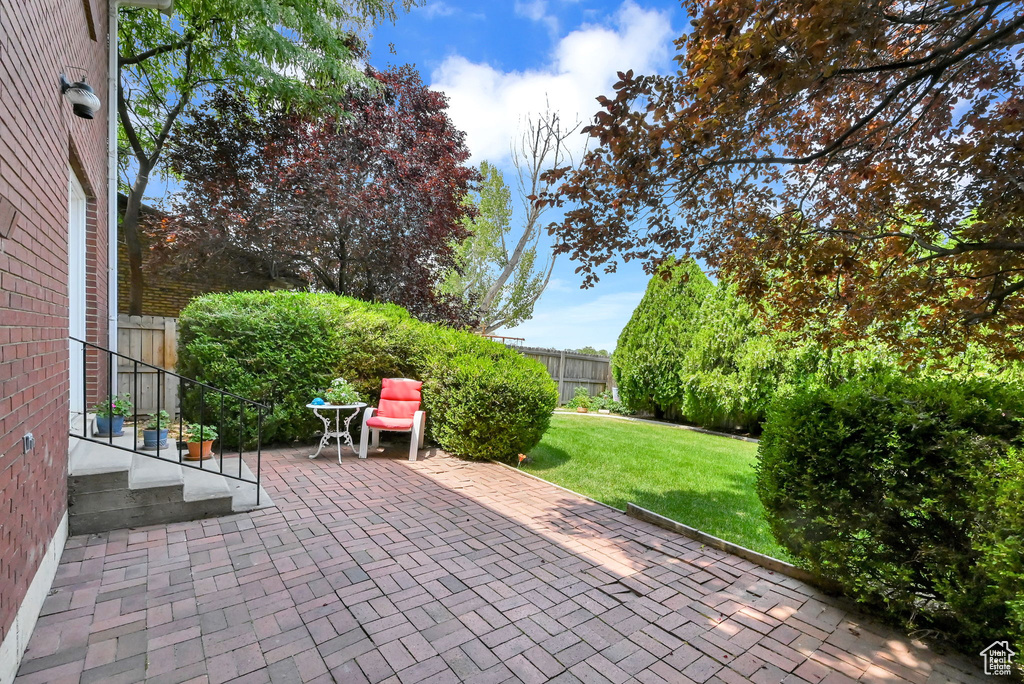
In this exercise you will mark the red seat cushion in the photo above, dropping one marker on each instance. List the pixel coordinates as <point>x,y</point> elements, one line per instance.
<point>402,424</point>
<point>399,399</point>
<point>401,389</point>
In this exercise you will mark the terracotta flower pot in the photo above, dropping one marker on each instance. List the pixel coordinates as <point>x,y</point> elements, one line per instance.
<point>199,451</point>
<point>581,409</point>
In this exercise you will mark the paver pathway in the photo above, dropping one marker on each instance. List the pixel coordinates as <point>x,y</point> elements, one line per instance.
<point>442,571</point>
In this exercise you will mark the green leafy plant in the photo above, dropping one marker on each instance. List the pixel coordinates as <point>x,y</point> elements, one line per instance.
<point>279,348</point>
<point>119,405</point>
<point>341,392</point>
<point>194,432</point>
<point>158,421</point>
<point>580,399</point>
<point>907,493</point>
<point>695,351</point>
<point>605,401</point>
<point>297,53</point>
<point>487,405</point>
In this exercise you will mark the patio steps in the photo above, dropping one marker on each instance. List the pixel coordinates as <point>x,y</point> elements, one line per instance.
<point>112,489</point>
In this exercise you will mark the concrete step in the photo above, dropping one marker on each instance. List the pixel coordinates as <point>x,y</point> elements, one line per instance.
<point>146,472</point>
<point>109,488</point>
<point>95,468</point>
<point>209,481</point>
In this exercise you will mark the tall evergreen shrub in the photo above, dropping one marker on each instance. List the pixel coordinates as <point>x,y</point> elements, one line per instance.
<point>693,350</point>
<point>652,348</point>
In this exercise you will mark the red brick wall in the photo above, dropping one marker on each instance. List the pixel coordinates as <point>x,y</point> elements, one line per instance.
<point>39,138</point>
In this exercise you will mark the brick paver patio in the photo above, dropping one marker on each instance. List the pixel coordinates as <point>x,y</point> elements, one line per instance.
<point>442,571</point>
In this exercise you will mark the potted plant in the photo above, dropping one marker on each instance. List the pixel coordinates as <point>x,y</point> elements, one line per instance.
<point>341,392</point>
<point>110,416</point>
<point>200,441</point>
<point>603,402</point>
<point>154,433</point>
<point>580,400</point>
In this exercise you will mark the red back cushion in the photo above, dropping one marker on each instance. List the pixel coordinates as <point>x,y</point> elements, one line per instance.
<point>399,398</point>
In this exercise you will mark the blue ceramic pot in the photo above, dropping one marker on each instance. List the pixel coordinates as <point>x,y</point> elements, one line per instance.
<point>105,423</point>
<point>149,439</point>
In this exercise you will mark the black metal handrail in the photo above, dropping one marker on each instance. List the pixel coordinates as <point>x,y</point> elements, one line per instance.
<point>161,379</point>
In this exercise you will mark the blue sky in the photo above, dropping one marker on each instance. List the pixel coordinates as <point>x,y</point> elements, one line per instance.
<point>500,61</point>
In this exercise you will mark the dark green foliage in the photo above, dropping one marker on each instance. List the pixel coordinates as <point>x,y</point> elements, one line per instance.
<point>483,399</point>
<point>235,343</point>
<point>695,351</point>
<point>909,494</point>
<point>487,405</point>
<point>652,347</point>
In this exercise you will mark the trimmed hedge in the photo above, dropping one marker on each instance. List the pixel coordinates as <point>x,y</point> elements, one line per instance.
<point>483,399</point>
<point>909,494</point>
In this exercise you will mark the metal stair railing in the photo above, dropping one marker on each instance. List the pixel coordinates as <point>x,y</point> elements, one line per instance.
<point>196,398</point>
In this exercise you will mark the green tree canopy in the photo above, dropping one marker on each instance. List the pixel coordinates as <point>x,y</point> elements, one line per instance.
<point>591,350</point>
<point>298,52</point>
<point>496,271</point>
<point>482,259</point>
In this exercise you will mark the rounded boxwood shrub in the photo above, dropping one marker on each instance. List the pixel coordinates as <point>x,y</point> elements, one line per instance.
<point>907,493</point>
<point>279,348</point>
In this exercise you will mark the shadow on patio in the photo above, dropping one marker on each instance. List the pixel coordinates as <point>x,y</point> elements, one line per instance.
<point>440,570</point>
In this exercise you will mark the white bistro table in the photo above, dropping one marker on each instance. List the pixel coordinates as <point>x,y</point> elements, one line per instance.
<point>337,433</point>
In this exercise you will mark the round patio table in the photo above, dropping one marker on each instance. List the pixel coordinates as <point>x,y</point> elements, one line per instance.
<point>337,433</point>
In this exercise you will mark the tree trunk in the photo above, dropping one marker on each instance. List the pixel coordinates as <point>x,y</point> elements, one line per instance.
<point>130,226</point>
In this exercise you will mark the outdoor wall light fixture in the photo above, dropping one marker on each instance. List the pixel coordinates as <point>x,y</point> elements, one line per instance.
<point>81,96</point>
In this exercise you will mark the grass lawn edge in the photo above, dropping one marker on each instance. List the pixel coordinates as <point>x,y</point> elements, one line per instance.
<point>650,421</point>
<point>691,476</point>
<point>642,514</point>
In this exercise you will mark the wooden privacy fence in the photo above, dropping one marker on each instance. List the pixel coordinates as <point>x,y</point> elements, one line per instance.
<point>152,340</point>
<point>571,370</point>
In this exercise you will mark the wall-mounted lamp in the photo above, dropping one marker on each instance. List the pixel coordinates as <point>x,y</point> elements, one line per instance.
<point>81,96</point>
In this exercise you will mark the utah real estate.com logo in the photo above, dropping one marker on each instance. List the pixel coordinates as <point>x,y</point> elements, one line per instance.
<point>998,659</point>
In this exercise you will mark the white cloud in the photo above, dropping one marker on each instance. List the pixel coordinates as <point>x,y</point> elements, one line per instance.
<point>559,285</point>
<point>436,9</point>
<point>488,104</point>
<point>537,10</point>
<point>596,323</point>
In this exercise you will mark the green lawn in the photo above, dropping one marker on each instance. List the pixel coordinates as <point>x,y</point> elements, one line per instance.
<point>703,481</point>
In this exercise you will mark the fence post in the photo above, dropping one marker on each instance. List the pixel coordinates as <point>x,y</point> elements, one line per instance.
<point>170,356</point>
<point>561,374</point>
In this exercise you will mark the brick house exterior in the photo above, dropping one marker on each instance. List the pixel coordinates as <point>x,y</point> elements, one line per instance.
<point>166,292</point>
<point>42,144</point>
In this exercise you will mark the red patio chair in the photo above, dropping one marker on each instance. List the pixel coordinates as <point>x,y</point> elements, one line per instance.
<point>399,411</point>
